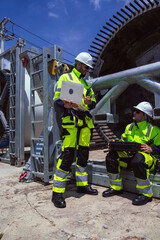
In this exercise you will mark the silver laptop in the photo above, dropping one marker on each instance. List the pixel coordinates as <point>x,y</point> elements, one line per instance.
<point>72,91</point>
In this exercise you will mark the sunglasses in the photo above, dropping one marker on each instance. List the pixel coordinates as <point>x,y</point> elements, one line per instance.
<point>137,111</point>
<point>86,67</point>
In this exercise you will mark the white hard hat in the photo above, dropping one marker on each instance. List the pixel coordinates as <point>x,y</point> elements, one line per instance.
<point>145,107</point>
<point>85,58</point>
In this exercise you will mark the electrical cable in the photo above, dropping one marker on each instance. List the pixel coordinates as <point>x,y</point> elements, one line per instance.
<point>17,36</point>
<point>37,36</point>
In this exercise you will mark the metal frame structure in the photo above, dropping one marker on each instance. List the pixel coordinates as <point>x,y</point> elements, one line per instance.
<point>43,148</point>
<point>16,100</point>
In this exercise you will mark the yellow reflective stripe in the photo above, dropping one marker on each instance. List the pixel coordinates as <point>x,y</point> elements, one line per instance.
<point>115,181</point>
<point>115,187</point>
<point>145,190</point>
<point>142,182</point>
<point>81,184</point>
<point>81,174</point>
<point>56,95</point>
<point>58,190</point>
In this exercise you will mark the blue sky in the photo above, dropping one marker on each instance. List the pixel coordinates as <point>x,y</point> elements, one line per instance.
<point>71,24</point>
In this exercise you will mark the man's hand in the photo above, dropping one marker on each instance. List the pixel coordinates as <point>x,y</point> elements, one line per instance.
<point>145,148</point>
<point>87,100</point>
<point>69,104</point>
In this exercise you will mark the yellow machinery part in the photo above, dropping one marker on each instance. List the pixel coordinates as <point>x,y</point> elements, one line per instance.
<point>53,68</point>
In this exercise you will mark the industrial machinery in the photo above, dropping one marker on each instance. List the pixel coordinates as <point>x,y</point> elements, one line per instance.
<point>126,71</point>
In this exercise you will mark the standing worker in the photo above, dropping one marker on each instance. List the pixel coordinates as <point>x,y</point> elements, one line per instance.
<point>142,162</point>
<point>76,133</point>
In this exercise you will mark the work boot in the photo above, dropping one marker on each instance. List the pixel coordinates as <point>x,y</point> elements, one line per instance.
<point>58,200</point>
<point>141,200</point>
<point>87,190</point>
<point>111,192</point>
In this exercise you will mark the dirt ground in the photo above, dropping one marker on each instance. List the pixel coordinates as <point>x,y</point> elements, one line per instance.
<point>28,213</point>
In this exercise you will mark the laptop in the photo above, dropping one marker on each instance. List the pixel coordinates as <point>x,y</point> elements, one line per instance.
<point>72,91</point>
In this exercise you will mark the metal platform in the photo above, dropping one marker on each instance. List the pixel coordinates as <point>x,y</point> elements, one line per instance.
<point>97,175</point>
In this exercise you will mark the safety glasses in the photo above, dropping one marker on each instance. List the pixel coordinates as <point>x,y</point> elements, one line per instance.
<point>137,111</point>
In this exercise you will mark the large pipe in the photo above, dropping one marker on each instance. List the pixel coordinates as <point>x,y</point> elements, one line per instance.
<point>131,76</point>
<point>113,93</point>
<point>149,84</point>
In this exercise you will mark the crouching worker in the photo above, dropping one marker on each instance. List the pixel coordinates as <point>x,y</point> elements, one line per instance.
<point>76,133</point>
<point>141,162</point>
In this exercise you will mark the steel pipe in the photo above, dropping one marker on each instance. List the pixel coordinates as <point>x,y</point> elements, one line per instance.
<point>112,94</point>
<point>131,76</point>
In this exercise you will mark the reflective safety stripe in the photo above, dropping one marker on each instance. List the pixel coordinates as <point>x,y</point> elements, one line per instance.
<point>146,190</point>
<point>70,76</point>
<point>58,190</point>
<point>143,182</point>
<point>144,187</point>
<point>114,176</point>
<point>57,98</point>
<point>116,183</point>
<point>81,184</point>
<point>80,169</point>
<point>149,130</point>
<point>58,89</point>
<point>61,174</point>
<point>81,178</point>
<point>59,184</point>
<point>131,126</point>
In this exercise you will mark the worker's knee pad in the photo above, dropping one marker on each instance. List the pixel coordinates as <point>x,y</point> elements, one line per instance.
<point>139,166</point>
<point>67,159</point>
<point>112,163</point>
<point>82,154</point>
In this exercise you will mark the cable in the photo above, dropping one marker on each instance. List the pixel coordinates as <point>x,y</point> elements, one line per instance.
<point>17,36</point>
<point>30,32</point>
<point>38,36</point>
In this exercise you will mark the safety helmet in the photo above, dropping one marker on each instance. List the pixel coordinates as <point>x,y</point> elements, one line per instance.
<point>85,58</point>
<point>145,107</point>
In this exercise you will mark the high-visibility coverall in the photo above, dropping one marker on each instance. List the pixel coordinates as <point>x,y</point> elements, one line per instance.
<point>141,162</point>
<point>76,134</point>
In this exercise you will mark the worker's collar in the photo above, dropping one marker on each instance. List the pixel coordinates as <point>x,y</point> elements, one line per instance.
<point>142,124</point>
<point>77,73</point>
